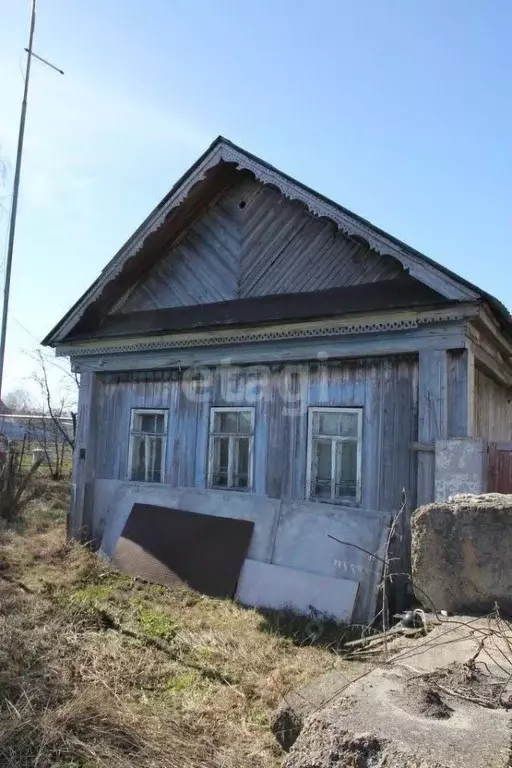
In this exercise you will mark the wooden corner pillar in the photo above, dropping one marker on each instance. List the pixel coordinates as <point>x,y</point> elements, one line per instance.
<point>445,408</point>
<point>80,514</point>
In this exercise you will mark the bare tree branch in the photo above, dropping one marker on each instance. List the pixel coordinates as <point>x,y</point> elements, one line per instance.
<point>53,426</point>
<point>43,381</point>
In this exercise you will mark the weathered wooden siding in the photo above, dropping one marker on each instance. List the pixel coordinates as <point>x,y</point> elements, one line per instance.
<point>80,515</point>
<point>493,408</point>
<point>252,242</point>
<point>460,373</point>
<point>499,468</point>
<point>386,388</point>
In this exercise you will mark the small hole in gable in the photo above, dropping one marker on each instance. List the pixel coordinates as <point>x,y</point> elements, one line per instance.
<point>242,204</point>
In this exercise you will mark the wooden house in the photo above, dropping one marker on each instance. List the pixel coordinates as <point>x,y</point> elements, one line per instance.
<point>257,351</point>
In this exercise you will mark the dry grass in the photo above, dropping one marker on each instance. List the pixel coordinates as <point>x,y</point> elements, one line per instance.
<point>97,669</point>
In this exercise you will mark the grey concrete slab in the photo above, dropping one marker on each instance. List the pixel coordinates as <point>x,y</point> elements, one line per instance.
<point>380,723</point>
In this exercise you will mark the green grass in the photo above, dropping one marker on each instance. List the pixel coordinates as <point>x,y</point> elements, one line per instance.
<point>156,624</point>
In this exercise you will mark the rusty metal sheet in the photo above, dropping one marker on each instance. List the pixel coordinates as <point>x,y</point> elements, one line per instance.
<point>169,546</point>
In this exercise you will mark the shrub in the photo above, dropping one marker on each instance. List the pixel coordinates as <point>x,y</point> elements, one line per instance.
<point>16,486</point>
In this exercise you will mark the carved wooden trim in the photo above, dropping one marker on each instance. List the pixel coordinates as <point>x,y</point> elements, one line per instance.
<point>258,335</point>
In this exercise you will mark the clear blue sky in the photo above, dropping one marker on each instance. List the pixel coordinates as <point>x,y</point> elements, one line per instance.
<point>401,110</point>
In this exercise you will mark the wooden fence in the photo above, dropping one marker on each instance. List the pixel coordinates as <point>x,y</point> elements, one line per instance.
<point>499,471</point>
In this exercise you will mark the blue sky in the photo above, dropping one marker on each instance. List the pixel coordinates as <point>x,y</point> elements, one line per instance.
<point>401,110</point>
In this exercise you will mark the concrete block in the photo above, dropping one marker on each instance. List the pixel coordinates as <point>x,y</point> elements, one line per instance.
<point>461,554</point>
<point>272,586</point>
<point>113,502</point>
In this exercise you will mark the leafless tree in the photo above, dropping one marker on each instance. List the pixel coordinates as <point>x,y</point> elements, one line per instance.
<point>19,400</point>
<point>53,429</point>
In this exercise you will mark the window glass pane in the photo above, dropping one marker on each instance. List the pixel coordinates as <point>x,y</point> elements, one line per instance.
<point>232,422</point>
<point>325,423</point>
<point>147,455</point>
<point>348,424</point>
<point>155,459</point>
<point>226,421</point>
<point>346,469</point>
<point>245,421</point>
<point>241,478</point>
<point>159,423</point>
<point>150,458</point>
<point>147,422</point>
<point>138,471</point>
<point>220,461</point>
<point>330,423</point>
<point>150,423</point>
<point>336,424</point>
<point>321,480</point>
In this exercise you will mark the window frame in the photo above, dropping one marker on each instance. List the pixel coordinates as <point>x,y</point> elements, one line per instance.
<point>134,412</point>
<point>347,500</point>
<point>212,434</point>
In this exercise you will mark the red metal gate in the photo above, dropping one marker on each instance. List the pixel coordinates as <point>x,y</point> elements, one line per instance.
<point>499,469</point>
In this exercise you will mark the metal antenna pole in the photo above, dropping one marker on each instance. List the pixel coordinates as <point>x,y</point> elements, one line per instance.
<point>15,191</point>
<point>16,187</point>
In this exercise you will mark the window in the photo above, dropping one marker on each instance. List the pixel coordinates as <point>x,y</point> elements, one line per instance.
<point>231,448</point>
<point>148,433</point>
<point>334,454</point>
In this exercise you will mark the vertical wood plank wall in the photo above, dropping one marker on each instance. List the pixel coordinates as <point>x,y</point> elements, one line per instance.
<point>253,242</point>
<point>84,459</point>
<point>386,388</point>
<point>459,392</point>
<point>444,408</point>
<point>493,408</point>
<point>432,416</point>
